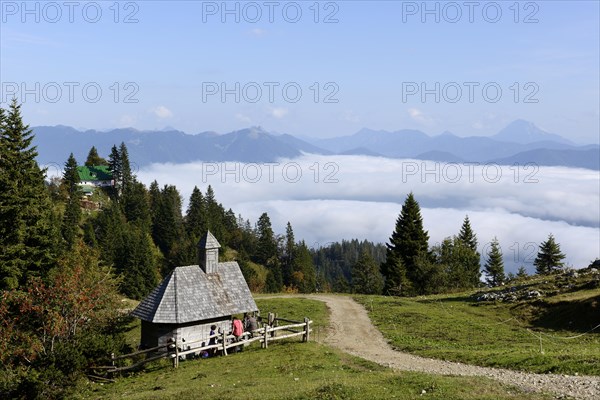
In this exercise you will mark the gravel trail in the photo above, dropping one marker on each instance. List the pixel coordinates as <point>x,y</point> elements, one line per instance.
<point>350,324</point>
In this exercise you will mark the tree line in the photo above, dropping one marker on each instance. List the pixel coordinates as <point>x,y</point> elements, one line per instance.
<point>411,267</point>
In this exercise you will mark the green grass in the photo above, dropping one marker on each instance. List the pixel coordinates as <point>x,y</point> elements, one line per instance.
<point>292,370</point>
<point>506,335</point>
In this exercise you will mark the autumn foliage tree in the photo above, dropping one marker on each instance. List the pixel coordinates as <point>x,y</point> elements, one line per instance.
<point>55,329</point>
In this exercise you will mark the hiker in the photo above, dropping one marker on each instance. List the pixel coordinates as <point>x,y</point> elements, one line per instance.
<point>237,330</point>
<point>213,340</point>
<point>250,323</point>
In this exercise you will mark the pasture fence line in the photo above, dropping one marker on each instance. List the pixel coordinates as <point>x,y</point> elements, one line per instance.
<point>174,350</point>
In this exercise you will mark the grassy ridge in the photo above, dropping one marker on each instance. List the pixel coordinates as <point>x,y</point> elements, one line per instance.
<point>526,335</point>
<point>293,370</point>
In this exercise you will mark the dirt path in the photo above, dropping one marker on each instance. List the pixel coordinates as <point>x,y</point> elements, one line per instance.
<point>350,324</point>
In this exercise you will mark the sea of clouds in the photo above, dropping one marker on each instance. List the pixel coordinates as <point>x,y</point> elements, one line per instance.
<point>330,198</point>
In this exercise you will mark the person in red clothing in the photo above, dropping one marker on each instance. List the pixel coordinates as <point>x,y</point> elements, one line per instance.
<point>237,330</point>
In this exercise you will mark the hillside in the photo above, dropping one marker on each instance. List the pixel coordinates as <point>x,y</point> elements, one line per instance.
<point>544,324</point>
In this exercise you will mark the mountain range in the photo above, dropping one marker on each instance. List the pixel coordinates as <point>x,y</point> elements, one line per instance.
<point>519,142</point>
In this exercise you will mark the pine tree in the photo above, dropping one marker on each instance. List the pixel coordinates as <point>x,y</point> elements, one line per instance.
<point>136,263</point>
<point>366,278</point>
<point>304,275</point>
<point>127,177</point>
<point>72,216</point>
<point>522,272</point>
<point>494,265</point>
<point>466,254</point>
<point>114,165</point>
<point>267,254</point>
<point>94,159</point>
<point>466,234</point>
<point>407,243</point>
<point>288,255</point>
<point>195,217</point>
<point>168,231</point>
<point>28,234</point>
<point>136,205</point>
<point>549,257</point>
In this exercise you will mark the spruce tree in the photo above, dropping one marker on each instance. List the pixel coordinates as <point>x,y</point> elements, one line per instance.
<point>549,257</point>
<point>28,234</point>
<point>168,231</point>
<point>466,234</point>
<point>136,205</point>
<point>267,252</point>
<point>127,177</point>
<point>195,217</point>
<point>72,216</point>
<point>466,254</point>
<point>288,255</point>
<point>135,262</point>
<point>304,275</point>
<point>407,243</point>
<point>94,158</point>
<point>366,278</point>
<point>494,265</point>
<point>522,272</point>
<point>114,165</point>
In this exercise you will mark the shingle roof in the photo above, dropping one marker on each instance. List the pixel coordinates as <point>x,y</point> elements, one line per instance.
<point>188,294</point>
<point>95,173</point>
<point>208,241</point>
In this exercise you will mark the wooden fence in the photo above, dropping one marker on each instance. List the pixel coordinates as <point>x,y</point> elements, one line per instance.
<point>267,333</point>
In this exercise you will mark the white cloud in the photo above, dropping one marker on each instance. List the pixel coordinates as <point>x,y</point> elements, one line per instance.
<point>418,116</point>
<point>126,121</point>
<point>350,116</point>
<point>329,198</point>
<point>243,118</point>
<point>162,112</point>
<point>278,112</point>
<point>258,32</point>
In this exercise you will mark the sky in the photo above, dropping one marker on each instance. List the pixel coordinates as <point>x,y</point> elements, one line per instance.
<point>330,198</point>
<point>316,69</point>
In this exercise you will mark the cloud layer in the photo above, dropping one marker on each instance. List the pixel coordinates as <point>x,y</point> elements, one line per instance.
<point>329,198</point>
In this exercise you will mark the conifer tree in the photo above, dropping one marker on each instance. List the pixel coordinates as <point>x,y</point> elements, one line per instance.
<point>407,243</point>
<point>136,205</point>
<point>136,263</point>
<point>467,255</point>
<point>195,217</point>
<point>366,278</point>
<point>304,275</point>
<point>114,165</point>
<point>28,234</point>
<point>466,234</point>
<point>94,158</point>
<point>127,177</point>
<point>288,255</point>
<point>72,216</point>
<point>494,265</point>
<point>267,254</point>
<point>549,257</point>
<point>522,272</point>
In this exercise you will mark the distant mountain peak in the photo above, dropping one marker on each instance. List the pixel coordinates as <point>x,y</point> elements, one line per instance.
<point>525,132</point>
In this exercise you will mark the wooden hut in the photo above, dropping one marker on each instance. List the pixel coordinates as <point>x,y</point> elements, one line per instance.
<point>192,298</point>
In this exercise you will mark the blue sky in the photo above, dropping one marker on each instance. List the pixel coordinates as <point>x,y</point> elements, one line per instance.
<point>174,58</point>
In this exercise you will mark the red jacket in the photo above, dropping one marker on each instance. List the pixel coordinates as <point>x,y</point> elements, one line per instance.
<point>238,328</point>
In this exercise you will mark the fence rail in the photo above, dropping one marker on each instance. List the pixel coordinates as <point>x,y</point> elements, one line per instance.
<point>173,350</point>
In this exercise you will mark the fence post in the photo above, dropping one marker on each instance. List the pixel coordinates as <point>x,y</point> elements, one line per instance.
<point>176,355</point>
<point>306,330</point>
<point>266,335</point>
<point>224,340</point>
<point>112,359</point>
